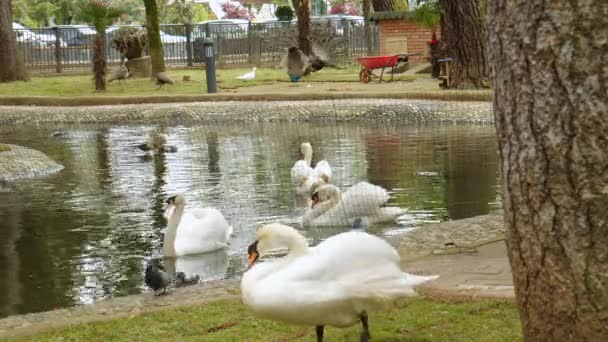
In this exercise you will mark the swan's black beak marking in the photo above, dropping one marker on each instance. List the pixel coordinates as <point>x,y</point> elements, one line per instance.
<point>315,199</point>
<point>252,253</point>
<point>171,200</point>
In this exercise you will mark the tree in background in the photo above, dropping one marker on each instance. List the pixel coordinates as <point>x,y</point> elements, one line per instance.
<point>155,44</point>
<point>8,51</point>
<point>303,13</point>
<point>100,14</point>
<point>549,68</point>
<point>383,5</point>
<point>284,13</point>
<point>41,13</point>
<point>185,12</point>
<point>464,36</point>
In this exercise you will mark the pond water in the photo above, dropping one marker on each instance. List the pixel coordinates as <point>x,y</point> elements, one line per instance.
<point>86,233</point>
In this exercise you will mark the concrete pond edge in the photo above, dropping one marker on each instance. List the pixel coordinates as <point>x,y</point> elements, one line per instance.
<point>122,100</point>
<point>321,111</point>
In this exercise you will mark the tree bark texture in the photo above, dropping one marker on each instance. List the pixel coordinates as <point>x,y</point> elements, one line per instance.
<point>383,5</point>
<point>550,67</point>
<point>367,29</point>
<point>99,63</point>
<point>8,56</point>
<point>154,43</point>
<point>303,14</point>
<point>464,36</point>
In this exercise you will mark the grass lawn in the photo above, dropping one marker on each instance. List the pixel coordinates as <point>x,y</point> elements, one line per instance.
<point>418,319</point>
<point>82,85</point>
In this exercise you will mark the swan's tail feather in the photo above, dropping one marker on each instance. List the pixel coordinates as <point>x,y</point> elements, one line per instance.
<point>414,280</point>
<point>229,233</point>
<point>389,287</point>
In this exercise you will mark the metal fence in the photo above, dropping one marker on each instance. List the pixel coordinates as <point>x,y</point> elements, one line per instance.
<point>70,49</point>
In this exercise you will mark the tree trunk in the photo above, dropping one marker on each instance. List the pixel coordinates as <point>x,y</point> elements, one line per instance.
<point>383,5</point>
<point>549,62</point>
<point>99,62</point>
<point>465,37</point>
<point>154,43</point>
<point>8,55</point>
<point>367,28</point>
<point>303,14</point>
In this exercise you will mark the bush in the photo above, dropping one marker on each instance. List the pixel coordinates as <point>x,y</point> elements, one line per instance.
<point>284,13</point>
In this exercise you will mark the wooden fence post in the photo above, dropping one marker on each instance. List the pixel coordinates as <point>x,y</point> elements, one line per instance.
<point>189,44</point>
<point>249,42</point>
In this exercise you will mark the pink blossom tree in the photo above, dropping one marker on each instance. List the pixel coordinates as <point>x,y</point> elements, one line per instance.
<point>348,7</point>
<point>235,12</point>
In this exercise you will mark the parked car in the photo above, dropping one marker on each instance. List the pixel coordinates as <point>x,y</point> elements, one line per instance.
<point>171,39</point>
<point>234,28</point>
<point>38,39</point>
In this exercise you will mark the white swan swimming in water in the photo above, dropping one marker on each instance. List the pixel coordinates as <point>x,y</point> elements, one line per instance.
<point>337,283</point>
<point>193,231</point>
<point>361,204</point>
<point>305,177</point>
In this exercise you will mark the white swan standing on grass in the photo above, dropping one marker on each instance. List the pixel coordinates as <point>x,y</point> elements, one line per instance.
<point>337,283</point>
<point>305,177</point>
<point>362,203</point>
<point>194,231</point>
<point>248,76</point>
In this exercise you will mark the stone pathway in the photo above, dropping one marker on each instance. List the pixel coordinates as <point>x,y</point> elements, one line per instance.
<point>473,264</point>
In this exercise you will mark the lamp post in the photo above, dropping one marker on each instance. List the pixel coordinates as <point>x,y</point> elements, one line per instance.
<point>210,65</point>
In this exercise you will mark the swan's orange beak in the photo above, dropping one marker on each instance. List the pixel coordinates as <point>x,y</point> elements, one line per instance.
<point>252,258</point>
<point>315,199</point>
<point>252,254</point>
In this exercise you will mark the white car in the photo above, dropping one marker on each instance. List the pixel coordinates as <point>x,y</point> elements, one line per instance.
<point>171,39</point>
<point>27,36</point>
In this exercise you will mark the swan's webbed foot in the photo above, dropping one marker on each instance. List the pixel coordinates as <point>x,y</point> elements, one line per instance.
<point>319,330</point>
<point>365,336</point>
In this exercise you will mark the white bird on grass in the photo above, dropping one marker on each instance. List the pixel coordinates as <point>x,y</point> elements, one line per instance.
<point>248,76</point>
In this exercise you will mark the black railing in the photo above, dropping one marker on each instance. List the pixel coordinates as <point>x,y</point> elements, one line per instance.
<point>69,49</point>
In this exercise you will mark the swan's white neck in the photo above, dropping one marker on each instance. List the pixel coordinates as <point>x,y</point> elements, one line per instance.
<point>307,151</point>
<point>323,207</point>
<point>296,245</point>
<point>171,232</point>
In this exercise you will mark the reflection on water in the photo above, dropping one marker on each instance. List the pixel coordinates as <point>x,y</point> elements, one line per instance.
<point>87,232</point>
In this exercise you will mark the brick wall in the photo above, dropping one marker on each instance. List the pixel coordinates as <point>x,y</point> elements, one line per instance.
<point>416,35</point>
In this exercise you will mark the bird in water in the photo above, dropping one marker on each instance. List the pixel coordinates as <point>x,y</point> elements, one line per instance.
<point>181,280</point>
<point>162,79</point>
<point>156,278</point>
<point>120,74</point>
<point>157,144</point>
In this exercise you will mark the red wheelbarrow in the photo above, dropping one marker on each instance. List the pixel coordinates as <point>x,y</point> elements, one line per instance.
<point>381,62</point>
